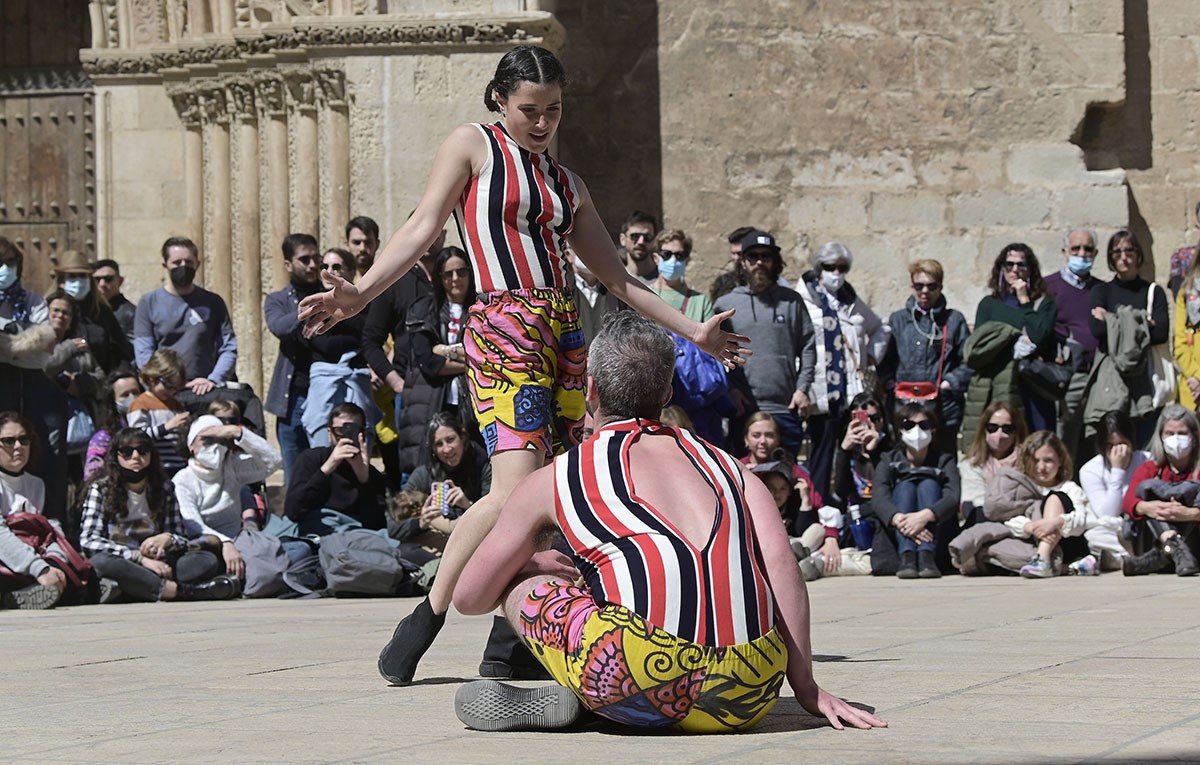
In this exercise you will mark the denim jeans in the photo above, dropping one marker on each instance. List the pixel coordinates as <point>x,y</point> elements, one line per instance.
<point>291,434</point>
<point>911,497</point>
<point>140,583</point>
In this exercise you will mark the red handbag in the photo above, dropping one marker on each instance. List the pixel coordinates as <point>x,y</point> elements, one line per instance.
<point>924,390</point>
<point>36,531</point>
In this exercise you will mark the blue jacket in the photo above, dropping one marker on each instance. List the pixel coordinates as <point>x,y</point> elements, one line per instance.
<point>280,309</point>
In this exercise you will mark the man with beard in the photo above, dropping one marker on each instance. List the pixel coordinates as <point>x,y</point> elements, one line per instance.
<point>637,244</point>
<point>362,240</point>
<point>289,383</point>
<point>776,378</point>
<point>188,319</point>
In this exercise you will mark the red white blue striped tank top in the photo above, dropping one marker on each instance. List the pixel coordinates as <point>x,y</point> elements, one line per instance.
<point>512,215</point>
<point>715,595</point>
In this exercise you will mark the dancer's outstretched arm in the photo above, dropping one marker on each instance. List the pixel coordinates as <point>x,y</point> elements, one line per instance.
<point>791,606</point>
<point>591,242</point>
<point>453,165</point>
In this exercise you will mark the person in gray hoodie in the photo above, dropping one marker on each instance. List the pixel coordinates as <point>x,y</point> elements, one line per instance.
<point>777,378</point>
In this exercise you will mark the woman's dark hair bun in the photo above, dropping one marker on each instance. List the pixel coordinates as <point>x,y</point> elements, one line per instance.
<point>524,63</point>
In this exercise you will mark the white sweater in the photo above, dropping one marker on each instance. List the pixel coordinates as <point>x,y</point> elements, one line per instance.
<point>214,507</point>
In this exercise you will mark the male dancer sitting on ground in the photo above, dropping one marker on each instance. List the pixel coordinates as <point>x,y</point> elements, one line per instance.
<point>692,609</point>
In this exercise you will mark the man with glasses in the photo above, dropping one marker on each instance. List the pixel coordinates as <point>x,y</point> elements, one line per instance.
<point>1071,287</point>
<point>289,382</point>
<point>188,319</point>
<point>777,376</point>
<point>637,244</point>
<point>108,283</point>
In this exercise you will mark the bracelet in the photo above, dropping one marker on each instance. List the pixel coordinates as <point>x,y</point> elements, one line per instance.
<point>137,556</point>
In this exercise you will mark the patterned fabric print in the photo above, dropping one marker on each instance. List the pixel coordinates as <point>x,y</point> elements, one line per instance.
<point>525,364</point>
<point>631,672</point>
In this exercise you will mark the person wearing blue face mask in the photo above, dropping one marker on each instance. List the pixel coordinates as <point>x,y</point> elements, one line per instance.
<point>1071,287</point>
<point>672,253</point>
<point>95,321</point>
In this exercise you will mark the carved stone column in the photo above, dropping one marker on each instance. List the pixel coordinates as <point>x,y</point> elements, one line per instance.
<point>247,234</point>
<point>187,105</point>
<point>218,233</point>
<point>306,162</point>
<point>335,204</point>
<point>274,195</point>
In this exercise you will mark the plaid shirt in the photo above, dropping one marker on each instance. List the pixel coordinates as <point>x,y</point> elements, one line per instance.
<point>96,533</point>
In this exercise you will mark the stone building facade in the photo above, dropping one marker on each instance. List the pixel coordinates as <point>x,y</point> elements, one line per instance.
<point>904,128</point>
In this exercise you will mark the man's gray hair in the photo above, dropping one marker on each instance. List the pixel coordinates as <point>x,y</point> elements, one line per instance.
<point>632,362</point>
<point>1066,236</point>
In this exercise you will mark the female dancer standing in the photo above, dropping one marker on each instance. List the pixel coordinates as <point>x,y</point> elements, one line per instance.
<point>523,347</point>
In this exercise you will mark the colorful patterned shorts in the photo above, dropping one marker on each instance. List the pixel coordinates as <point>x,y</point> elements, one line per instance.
<point>526,363</point>
<point>636,674</point>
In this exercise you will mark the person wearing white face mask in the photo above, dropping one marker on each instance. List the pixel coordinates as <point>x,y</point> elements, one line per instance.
<point>224,459</point>
<point>95,321</point>
<point>916,495</point>
<point>850,340</point>
<point>1164,496</point>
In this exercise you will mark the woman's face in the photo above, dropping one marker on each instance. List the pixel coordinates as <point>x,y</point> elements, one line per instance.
<point>448,446</point>
<point>1175,428</point>
<point>761,440</point>
<point>126,388</point>
<point>1001,435</point>
<point>531,114</point>
<point>926,290</point>
<point>1015,268</point>
<point>332,261</point>
<point>780,488</point>
<point>1046,465</point>
<point>1119,439</point>
<point>60,316</point>
<point>456,278</point>
<point>1125,260</point>
<point>15,443</point>
<point>134,455</point>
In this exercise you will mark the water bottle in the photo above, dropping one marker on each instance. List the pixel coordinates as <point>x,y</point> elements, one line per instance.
<point>860,528</point>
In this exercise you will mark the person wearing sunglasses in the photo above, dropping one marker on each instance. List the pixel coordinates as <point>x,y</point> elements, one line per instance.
<point>135,536</point>
<point>1018,317</point>
<point>926,350</point>
<point>107,273</point>
<point>1001,431</point>
<point>637,245</point>
<point>157,412</point>
<point>339,261</point>
<point>121,389</point>
<point>1128,288</point>
<point>23,492</point>
<point>915,496</point>
<point>850,342</point>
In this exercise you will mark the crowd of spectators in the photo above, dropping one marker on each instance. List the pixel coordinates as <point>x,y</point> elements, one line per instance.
<point>1054,434</point>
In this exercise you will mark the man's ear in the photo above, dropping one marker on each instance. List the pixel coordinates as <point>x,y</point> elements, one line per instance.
<point>591,395</point>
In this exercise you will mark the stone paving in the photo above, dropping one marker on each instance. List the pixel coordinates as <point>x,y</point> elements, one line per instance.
<point>995,670</point>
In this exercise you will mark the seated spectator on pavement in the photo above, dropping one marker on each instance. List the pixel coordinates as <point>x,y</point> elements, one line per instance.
<point>94,319</point>
<point>136,538</point>
<point>710,514</point>
<point>158,413</point>
<point>1105,479</point>
<point>760,437</point>
<point>1163,499</point>
<point>186,318</point>
<point>121,388</point>
<point>996,444</point>
<point>337,478</point>
<point>224,459</point>
<point>22,492</point>
<point>915,496</point>
<point>453,460</point>
<point>109,281</point>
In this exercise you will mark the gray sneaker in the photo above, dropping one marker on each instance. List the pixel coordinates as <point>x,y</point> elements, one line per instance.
<point>494,706</point>
<point>813,567</point>
<point>35,597</point>
<point>110,591</point>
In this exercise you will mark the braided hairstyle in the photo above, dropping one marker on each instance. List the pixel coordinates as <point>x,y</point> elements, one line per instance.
<point>524,63</point>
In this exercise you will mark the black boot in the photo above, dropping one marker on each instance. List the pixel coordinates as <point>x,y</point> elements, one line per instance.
<point>220,588</point>
<point>412,638</point>
<point>506,657</point>
<point>908,565</point>
<point>1177,549</point>
<point>1147,563</point>
<point>927,566</point>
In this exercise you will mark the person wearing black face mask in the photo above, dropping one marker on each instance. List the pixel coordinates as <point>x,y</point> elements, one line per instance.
<point>135,536</point>
<point>188,319</point>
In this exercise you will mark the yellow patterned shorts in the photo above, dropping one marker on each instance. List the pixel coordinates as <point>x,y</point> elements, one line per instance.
<point>629,671</point>
<point>526,365</point>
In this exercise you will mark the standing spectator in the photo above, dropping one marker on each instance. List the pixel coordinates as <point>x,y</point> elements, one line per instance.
<point>1187,347</point>
<point>95,321</point>
<point>187,319</point>
<point>637,242</point>
<point>850,341</point>
<point>73,366</point>
<point>1019,300</point>
<point>777,377</point>
<point>1182,259</point>
<point>26,340</point>
<point>22,492</point>
<point>362,241</point>
<point>108,283</point>
<point>340,262</point>
<point>1128,288</point>
<point>591,296</point>
<point>672,253</point>
<point>927,343</point>
<point>735,275</point>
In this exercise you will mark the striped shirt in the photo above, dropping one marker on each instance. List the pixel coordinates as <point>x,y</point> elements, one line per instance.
<point>715,595</point>
<point>512,215</point>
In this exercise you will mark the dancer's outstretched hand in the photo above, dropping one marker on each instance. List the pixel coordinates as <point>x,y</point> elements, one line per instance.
<point>726,347</point>
<point>321,311</point>
<point>835,710</point>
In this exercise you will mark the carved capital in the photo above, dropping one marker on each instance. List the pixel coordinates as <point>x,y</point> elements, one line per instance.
<point>333,85</point>
<point>187,105</point>
<point>241,98</point>
<point>272,95</point>
<point>214,104</point>
<point>302,90</point>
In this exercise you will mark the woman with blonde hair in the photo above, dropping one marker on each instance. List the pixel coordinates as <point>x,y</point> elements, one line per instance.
<point>996,444</point>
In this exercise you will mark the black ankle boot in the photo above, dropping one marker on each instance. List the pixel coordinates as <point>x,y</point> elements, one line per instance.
<point>414,634</point>
<point>1149,562</point>
<point>927,565</point>
<point>1177,550</point>
<point>220,588</point>
<point>908,565</point>
<point>506,657</point>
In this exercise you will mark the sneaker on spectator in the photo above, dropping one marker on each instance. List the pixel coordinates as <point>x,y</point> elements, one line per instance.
<point>35,597</point>
<point>1085,566</point>
<point>798,549</point>
<point>109,591</point>
<point>1177,549</point>
<point>813,567</point>
<point>1037,568</point>
<point>492,706</point>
